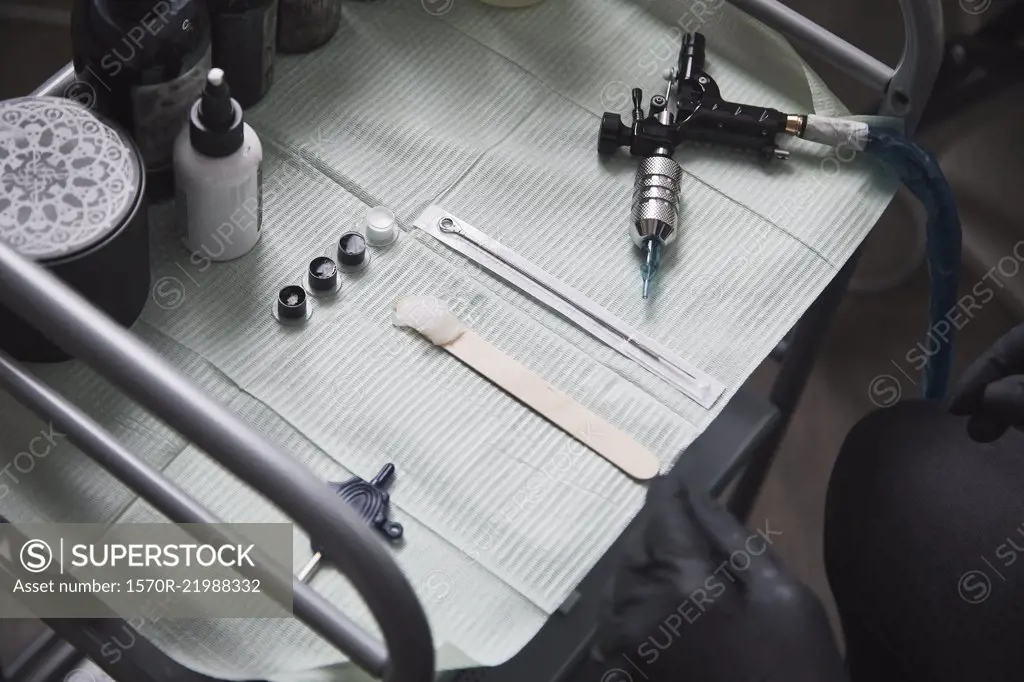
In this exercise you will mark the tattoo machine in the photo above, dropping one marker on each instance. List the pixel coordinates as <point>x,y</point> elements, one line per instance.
<point>692,108</point>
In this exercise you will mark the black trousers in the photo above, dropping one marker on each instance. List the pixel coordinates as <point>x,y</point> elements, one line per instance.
<point>924,548</point>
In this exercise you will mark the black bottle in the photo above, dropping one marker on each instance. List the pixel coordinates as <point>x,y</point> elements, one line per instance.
<point>144,62</point>
<point>244,34</point>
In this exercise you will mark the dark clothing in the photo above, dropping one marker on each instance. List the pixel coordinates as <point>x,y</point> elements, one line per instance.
<point>924,549</point>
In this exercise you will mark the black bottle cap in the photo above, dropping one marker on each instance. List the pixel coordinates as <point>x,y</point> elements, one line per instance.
<point>352,250</point>
<point>216,126</point>
<point>323,274</point>
<point>292,303</point>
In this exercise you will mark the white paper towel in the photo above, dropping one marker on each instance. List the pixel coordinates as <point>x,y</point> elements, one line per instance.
<point>494,115</point>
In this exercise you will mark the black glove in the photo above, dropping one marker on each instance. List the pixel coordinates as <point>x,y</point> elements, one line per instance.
<point>705,600</point>
<point>991,391</point>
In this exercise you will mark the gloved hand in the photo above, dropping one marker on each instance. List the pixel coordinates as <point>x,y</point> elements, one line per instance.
<point>991,391</point>
<point>705,600</point>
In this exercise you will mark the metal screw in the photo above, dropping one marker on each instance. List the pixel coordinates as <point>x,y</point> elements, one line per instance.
<point>703,80</point>
<point>657,100</point>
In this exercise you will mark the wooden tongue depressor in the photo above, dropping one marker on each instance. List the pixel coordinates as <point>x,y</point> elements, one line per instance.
<point>431,317</point>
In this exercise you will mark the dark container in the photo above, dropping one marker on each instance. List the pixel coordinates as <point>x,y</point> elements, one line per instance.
<point>72,198</point>
<point>304,25</point>
<point>142,63</point>
<point>244,35</point>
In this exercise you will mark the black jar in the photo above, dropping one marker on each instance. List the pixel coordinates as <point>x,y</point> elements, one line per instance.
<point>142,63</point>
<point>244,36</point>
<point>305,25</point>
<point>72,198</point>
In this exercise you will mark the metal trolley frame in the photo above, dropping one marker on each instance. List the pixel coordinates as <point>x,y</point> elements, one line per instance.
<point>407,652</point>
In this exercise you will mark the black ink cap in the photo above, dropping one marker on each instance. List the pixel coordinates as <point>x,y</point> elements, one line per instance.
<point>352,251</point>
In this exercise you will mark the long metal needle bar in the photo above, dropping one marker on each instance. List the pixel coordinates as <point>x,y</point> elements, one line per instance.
<point>451,227</point>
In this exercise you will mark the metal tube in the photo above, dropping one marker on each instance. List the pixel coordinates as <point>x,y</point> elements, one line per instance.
<point>917,71</point>
<point>173,502</point>
<point>827,45</point>
<point>85,332</point>
<point>58,84</point>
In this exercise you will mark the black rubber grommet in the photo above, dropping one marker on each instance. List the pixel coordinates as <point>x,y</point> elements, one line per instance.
<point>610,138</point>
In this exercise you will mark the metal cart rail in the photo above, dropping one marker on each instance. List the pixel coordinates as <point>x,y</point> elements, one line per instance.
<point>407,654</point>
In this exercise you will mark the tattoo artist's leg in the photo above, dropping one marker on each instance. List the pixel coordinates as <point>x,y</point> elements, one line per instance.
<point>924,548</point>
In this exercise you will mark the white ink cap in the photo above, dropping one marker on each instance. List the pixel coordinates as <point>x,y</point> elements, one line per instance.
<point>381,227</point>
